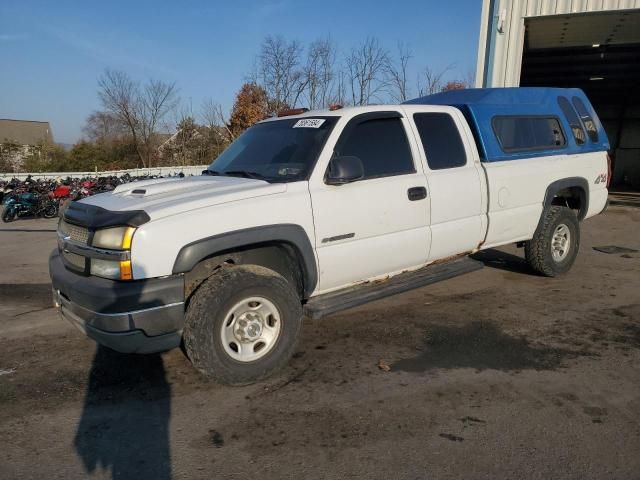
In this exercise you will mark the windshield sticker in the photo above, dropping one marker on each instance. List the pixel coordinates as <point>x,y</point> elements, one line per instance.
<point>309,123</point>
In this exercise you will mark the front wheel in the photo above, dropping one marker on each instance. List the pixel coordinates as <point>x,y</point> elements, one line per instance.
<point>8,214</point>
<point>242,324</point>
<point>554,246</point>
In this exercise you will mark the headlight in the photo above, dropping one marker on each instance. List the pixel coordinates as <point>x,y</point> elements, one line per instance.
<point>105,268</point>
<point>63,228</point>
<point>115,238</point>
<point>113,269</point>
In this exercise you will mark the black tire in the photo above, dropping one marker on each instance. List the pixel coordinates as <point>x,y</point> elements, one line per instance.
<point>50,210</point>
<point>539,250</point>
<point>8,214</point>
<point>208,309</point>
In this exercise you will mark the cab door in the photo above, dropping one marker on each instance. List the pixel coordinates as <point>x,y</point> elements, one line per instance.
<point>379,224</point>
<point>457,183</point>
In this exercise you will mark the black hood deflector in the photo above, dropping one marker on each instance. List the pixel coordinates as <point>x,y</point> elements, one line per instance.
<point>92,216</point>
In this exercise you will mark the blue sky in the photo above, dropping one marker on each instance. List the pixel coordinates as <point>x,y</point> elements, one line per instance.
<point>53,51</point>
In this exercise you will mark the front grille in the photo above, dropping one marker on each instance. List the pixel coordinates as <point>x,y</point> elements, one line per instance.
<point>74,232</point>
<point>79,234</point>
<point>74,259</point>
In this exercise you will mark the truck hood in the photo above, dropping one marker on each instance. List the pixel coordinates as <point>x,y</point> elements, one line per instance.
<point>163,197</point>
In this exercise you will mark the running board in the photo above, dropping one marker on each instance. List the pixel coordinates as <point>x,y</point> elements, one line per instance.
<point>333,302</point>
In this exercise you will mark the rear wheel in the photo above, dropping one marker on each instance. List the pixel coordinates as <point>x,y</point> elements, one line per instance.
<point>242,324</point>
<point>50,210</point>
<point>554,246</point>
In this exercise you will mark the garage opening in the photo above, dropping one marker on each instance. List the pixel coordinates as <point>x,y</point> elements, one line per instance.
<point>600,53</point>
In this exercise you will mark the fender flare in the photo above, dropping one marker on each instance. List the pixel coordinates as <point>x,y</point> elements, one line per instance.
<point>193,253</point>
<point>563,183</point>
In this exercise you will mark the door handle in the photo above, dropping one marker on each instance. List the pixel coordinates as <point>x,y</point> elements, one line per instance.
<point>417,193</point>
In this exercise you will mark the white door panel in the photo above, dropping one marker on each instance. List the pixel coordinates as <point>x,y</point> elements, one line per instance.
<point>452,238</point>
<point>458,194</point>
<point>456,211</point>
<point>371,257</point>
<point>369,228</point>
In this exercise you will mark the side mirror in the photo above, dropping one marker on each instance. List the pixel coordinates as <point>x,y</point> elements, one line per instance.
<point>343,170</point>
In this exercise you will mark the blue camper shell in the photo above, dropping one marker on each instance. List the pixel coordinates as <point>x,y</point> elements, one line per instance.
<point>482,106</point>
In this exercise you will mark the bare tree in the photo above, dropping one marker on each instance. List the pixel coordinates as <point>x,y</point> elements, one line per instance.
<point>279,72</point>
<point>397,74</point>
<point>102,127</point>
<point>339,91</point>
<point>365,69</point>
<point>318,73</point>
<point>213,117</point>
<point>141,109</point>
<point>431,81</point>
<point>469,78</point>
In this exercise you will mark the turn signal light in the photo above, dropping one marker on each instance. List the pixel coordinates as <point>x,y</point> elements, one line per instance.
<point>125,270</point>
<point>127,238</point>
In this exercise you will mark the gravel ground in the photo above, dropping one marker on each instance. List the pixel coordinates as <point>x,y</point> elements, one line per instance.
<point>496,374</point>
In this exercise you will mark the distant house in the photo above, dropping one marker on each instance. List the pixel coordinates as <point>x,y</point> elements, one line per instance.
<point>21,138</point>
<point>195,145</point>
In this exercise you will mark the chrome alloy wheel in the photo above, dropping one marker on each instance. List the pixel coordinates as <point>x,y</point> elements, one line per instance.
<point>251,329</point>
<point>560,242</point>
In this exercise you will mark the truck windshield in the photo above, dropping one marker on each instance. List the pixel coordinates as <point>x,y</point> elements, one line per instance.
<point>278,151</point>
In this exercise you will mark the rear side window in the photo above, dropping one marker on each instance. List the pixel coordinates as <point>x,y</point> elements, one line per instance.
<point>441,140</point>
<point>521,134</point>
<point>573,119</point>
<point>588,122</point>
<point>382,146</point>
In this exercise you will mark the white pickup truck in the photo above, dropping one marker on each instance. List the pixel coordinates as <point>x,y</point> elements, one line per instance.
<point>305,211</point>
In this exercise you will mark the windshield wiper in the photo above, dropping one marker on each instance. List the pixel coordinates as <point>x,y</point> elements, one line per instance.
<point>246,174</point>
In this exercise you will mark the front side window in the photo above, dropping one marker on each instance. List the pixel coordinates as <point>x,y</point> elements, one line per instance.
<point>521,134</point>
<point>276,151</point>
<point>382,146</point>
<point>573,119</point>
<point>441,140</point>
<point>588,122</point>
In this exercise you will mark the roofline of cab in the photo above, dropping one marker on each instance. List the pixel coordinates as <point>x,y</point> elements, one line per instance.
<point>341,112</point>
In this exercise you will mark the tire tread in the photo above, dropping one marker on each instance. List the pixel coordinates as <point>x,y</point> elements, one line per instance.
<point>537,250</point>
<point>198,325</point>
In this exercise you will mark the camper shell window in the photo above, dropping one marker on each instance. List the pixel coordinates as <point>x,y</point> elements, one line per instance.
<point>528,133</point>
<point>573,119</point>
<point>588,122</point>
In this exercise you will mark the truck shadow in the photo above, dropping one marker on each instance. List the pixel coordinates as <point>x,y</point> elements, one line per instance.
<point>124,426</point>
<point>503,261</point>
<point>482,346</point>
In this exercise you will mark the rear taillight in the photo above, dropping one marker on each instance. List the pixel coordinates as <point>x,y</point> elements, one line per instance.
<point>609,172</point>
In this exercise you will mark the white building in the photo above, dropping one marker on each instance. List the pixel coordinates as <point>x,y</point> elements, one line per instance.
<point>590,44</point>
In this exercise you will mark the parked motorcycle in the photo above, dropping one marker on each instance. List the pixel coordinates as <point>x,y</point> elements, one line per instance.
<point>17,205</point>
<point>47,197</point>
